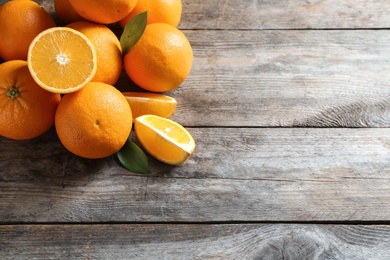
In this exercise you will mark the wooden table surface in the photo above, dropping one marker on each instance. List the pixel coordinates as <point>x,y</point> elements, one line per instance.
<point>289,103</point>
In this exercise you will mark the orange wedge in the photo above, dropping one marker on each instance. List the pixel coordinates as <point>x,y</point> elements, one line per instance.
<point>144,103</point>
<point>61,60</point>
<point>164,139</point>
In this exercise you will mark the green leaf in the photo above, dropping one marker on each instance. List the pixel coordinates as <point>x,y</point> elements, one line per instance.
<point>133,158</point>
<point>133,31</point>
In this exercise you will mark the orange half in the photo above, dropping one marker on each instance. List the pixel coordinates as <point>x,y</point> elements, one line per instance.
<point>62,60</point>
<point>144,103</point>
<point>164,139</point>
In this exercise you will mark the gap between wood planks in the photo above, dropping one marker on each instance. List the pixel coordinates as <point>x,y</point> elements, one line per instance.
<point>344,223</point>
<point>282,29</point>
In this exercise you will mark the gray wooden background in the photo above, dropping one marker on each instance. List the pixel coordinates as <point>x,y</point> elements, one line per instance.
<point>289,103</point>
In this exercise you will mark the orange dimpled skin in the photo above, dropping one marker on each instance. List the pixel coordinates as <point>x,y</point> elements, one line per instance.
<point>104,12</point>
<point>159,11</point>
<point>26,110</point>
<point>161,60</point>
<point>94,122</point>
<point>20,22</point>
<point>108,50</point>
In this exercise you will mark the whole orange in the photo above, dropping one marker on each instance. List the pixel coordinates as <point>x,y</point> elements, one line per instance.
<point>94,122</point>
<point>105,12</point>
<point>65,12</point>
<point>20,22</point>
<point>26,110</point>
<point>161,60</point>
<point>108,50</point>
<point>159,11</point>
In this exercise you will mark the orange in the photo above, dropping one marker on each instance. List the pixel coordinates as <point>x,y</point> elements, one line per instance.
<point>143,103</point>
<point>26,110</point>
<point>94,122</point>
<point>108,50</point>
<point>62,60</point>
<point>161,60</point>
<point>164,139</point>
<point>159,11</point>
<point>105,12</point>
<point>65,12</point>
<point>20,22</point>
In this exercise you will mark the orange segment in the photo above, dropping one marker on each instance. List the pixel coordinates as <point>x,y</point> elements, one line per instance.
<point>144,103</point>
<point>164,139</point>
<point>62,60</point>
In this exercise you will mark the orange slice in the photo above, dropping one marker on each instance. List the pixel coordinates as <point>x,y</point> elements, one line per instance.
<point>61,60</point>
<point>144,103</point>
<point>164,139</point>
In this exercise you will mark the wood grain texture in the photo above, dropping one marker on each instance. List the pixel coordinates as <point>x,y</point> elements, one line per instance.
<point>288,103</point>
<point>236,174</point>
<point>278,14</point>
<point>284,78</point>
<point>287,78</point>
<point>285,14</point>
<point>246,241</point>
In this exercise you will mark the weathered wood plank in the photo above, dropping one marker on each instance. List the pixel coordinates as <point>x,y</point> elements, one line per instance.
<point>278,14</point>
<point>254,241</point>
<point>280,174</point>
<point>222,153</point>
<point>287,78</point>
<point>285,14</point>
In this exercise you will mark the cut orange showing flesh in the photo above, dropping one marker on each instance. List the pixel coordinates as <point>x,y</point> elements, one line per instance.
<point>164,139</point>
<point>144,103</point>
<point>61,60</point>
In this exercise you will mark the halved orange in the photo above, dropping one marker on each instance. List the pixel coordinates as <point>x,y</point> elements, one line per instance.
<point>164,139</point>
<point>144,103</point>
<point>62,60</point>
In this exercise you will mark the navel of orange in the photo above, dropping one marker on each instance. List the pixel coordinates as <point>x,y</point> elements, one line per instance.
<point>26,110</point>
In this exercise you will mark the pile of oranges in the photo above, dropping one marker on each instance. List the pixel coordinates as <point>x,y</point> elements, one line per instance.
<point>66,75</point>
